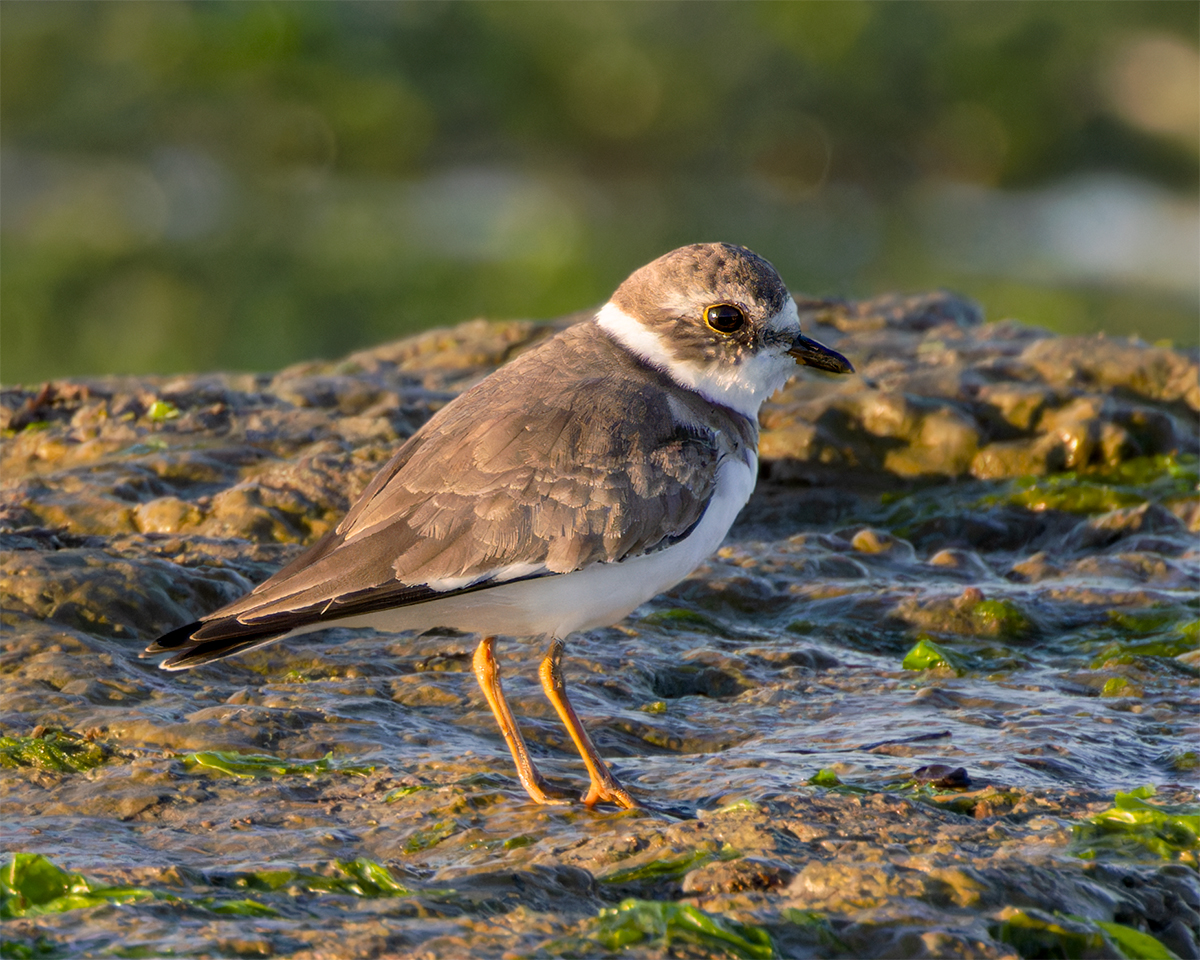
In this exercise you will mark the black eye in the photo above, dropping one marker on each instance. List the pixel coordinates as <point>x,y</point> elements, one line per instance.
<point>725,317</point>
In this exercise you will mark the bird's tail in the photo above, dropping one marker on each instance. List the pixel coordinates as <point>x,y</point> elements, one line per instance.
<point>207,640</point>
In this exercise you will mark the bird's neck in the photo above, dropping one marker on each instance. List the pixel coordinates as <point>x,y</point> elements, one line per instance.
<point>741,387</point>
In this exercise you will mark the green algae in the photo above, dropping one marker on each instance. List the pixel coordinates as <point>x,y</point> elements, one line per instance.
<point>968,655</point>
<point>1132,942</point>
<point>654,707</point>
<point>1120,687</point>
<point>828,779</point>
<point>366,878</point>
<point>237,908</point>
<point>56,750</point>
<point>1183,761</point>
<point>161,410</point>
<point>356,878</point>
<point>1134,827</point>
<point>1144,622</point>
<point>1000,618</point>
<point>1158,479</point>
<point>251,765</point>
<point>1153,639</point>
<point>1167,473</point>
<point>1166,643</point>
<point>1033,934</point>
<point>1101,489</point>
<point>1163,479</point>
<point>662,924</point>
<point>668,868</point>
<point>825,778</point>
<point>927,655</point>
<point>1068,493</point>
<point>430,836</point>
<point>1122,653</point>
<point>31,885</point>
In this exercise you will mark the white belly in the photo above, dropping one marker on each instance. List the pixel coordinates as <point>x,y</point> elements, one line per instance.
<point>596,596</point>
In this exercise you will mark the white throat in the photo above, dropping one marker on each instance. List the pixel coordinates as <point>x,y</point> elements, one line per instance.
<point>742,386</point>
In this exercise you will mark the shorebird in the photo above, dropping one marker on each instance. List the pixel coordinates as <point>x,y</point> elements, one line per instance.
<point>573,484</point>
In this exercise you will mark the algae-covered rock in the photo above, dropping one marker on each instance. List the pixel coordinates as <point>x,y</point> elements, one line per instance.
<point>1156,373</point>
<point>898,713</point>
<point>943,395</point>
<point>1020,458</point>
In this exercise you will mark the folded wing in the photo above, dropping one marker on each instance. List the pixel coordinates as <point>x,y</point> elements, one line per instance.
<point>544,468</point>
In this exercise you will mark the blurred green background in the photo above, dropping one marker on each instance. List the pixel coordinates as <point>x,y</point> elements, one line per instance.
<point>191,186</point>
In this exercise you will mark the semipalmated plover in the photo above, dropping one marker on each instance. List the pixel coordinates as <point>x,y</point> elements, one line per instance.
<point>573,484</point>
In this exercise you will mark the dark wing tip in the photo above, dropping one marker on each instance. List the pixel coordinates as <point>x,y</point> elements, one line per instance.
<point>174,640</point>
<point>189,650</point>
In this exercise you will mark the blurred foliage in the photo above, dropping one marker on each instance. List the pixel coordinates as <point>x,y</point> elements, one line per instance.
<point>199,185</point>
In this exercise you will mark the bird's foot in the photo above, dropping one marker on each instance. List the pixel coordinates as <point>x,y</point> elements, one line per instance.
<point>611,792</point>
<point>540,790</point>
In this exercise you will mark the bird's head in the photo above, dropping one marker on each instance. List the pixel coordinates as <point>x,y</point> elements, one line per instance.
<point>718,319</point>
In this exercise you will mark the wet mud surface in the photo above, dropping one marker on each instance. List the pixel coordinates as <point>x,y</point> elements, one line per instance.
<point>935,696</point>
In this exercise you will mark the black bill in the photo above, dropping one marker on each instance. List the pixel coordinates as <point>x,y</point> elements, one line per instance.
<point>813,354</point>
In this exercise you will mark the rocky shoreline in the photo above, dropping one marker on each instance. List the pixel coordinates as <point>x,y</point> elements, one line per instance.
<point>911,708</point>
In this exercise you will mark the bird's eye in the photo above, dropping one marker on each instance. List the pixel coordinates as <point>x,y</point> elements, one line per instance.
<point>725,317</point>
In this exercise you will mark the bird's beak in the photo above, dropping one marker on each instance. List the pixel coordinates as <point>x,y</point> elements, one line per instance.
<point>813,354</point>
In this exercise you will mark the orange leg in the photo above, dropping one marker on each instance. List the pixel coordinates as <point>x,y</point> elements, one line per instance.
<point>604,785</point>
<point>487,672</point>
